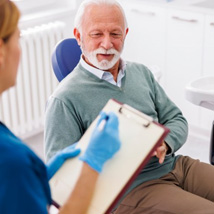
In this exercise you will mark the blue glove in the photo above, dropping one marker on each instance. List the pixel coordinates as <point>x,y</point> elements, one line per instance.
<point>56,161</point>
<point>103,143</point>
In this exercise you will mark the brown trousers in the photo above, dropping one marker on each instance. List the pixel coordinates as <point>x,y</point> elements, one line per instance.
<point>188,189</point>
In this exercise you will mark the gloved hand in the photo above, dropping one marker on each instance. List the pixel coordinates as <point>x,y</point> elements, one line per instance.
<point>56,161</point>
<point>103,143</point>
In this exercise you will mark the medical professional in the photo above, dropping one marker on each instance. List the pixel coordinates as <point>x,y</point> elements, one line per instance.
<point>24,177</point>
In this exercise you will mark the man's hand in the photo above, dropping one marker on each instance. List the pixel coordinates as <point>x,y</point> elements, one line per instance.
<point>161,152</point>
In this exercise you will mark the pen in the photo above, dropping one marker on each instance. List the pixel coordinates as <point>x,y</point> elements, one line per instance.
<point>102,124</point>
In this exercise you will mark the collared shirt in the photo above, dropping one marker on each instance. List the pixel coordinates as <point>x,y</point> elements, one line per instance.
<point>105,75</point>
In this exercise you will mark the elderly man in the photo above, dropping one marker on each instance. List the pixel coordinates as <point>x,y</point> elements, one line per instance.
<point>169,183</point>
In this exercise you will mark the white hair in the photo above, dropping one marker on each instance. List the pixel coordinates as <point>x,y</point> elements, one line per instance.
<point>80,12</point>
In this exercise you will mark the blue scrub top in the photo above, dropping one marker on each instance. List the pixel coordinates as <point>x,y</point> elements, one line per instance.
<point>24,187</point>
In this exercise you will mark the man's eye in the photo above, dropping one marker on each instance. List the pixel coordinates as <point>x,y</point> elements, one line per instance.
<point>116,35</point>
<point>96,34</point>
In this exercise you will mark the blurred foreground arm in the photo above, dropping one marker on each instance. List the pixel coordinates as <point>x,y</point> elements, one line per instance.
<point>102,146</point>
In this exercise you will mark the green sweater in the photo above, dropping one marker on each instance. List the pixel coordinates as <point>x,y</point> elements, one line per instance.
<point>81,95</point>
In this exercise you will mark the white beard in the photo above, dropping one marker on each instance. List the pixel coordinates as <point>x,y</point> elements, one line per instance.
<point>104,64</point>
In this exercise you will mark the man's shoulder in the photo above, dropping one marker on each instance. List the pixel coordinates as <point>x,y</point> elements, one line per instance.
<point>71,84</point>
<point>135,67</point>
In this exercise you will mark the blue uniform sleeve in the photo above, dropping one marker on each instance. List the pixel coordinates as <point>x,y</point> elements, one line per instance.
<point>23,182</point>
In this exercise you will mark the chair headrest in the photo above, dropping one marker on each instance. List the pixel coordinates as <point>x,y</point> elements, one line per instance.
<point>65,57</point>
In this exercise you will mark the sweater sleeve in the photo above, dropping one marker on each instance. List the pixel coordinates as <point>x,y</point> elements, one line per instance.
<point>170,116</point>
<point>62,127</point>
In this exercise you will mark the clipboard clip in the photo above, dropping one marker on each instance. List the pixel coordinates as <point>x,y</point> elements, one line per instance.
<point>134,114</point>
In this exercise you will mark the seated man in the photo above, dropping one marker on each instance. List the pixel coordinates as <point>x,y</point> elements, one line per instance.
<point>168,183</point>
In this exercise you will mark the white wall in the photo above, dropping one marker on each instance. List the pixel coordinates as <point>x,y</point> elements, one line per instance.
<point>37,13</point>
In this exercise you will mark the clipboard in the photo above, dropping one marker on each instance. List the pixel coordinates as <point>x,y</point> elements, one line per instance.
<point>139,135</point>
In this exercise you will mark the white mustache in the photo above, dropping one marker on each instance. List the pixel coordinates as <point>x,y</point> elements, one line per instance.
<point>104,51</point>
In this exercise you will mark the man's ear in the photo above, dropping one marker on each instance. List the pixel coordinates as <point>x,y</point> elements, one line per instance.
<point>127,30</point>
<point>77,36</point>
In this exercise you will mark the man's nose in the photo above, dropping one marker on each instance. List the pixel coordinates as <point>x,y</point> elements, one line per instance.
<point>106,42</point>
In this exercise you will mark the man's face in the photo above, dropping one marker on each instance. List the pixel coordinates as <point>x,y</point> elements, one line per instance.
<point>102,36</point>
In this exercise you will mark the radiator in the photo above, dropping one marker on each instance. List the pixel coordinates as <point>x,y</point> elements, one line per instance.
<point>22,107</point>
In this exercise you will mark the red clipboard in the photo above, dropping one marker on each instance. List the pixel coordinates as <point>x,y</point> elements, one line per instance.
<point>140,136</point>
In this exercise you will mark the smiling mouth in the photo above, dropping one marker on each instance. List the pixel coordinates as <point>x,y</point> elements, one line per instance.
<point>105,57</point>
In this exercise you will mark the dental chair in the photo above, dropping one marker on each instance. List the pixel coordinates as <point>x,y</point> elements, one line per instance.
<point>201,92</point>
<point>65,57</point>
